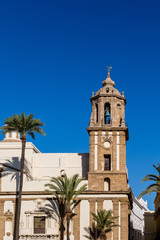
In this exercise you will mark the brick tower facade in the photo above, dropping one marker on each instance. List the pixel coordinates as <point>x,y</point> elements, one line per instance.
<point>108,134</point>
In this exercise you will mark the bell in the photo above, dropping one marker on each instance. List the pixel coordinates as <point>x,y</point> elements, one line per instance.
<point>107,114</point>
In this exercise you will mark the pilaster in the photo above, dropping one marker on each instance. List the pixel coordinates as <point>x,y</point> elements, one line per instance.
<point>2,220</point>
<point>76,223</point>
<point>100,204</point>
<point>92,210</point>
<point>124,220</point>
<point>116,214</point>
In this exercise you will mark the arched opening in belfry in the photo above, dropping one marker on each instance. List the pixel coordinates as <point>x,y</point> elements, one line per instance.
<point>106,184</point>
<point>96,113</point>
<point>107,113</point>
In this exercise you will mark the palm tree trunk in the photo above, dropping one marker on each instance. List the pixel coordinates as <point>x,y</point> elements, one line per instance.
<point>18,210</point>
<point>103,236</point>
<point>68,214</point>
<point>68,221</point>
<point>62,230</point>
<point>61,219</point>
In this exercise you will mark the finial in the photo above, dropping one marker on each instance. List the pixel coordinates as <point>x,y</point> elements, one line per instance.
<point>109,70</point>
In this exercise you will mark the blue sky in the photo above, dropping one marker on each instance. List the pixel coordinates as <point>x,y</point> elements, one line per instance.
<point>53,54</point>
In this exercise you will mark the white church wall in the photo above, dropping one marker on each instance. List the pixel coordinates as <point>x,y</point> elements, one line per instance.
<point>11,150</point>
<point>40,166</point>
<point>8,205</point>
<point>84,218</point>
<point>8,209</point>
<point>108,205</point>
<point>53,163</point>
<point>34,208</point>
<point>9,185</point>
<point>8,230</point>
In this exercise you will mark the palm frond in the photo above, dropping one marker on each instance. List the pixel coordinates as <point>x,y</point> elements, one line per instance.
<point>92,232</point>
<point>157,168</point>
<point>151,188</point>
<point>151,177</point>
<point>66,189</point>
<point>23,124</point>
<point>104,220</point>
<point>155,187</point>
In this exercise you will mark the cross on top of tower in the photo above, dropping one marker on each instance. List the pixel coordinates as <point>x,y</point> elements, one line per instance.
<point>109,70</point>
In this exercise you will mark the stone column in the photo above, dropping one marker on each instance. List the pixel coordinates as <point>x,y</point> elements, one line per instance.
<point>124,220</point>
<point>123,115</point>
<point>114,152</point>
<point>92,210</point>
<point>91,150</point>
<point>101,113</point>
<point>100,204</point>
<point>1,170</point>
<point>93,113</point>
<point>123,151</point>
<point>76,223</point>
<point>116,213</point>
<point>2,220</point>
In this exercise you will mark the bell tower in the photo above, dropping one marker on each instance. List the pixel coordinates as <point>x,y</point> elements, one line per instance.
<point>108,134</point>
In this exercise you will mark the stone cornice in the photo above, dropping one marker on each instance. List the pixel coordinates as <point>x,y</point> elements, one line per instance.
<point>108,173</point>
<point>107,95</point>
<point>109,128</point>
<point>18,145</point>
<point>88,192</point>
<point>105,127</point>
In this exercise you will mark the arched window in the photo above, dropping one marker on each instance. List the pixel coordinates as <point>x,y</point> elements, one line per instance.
<point>106,184</point>
<point>96,112</point>
<point>107,113</point>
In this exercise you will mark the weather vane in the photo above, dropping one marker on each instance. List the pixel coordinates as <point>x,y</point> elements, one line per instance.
<point>109,69</point>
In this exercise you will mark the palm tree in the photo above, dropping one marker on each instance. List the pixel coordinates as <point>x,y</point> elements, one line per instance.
<point>104,223</point>
<point>92,232</point>
<point>65,191</point>
<point>155,186</point>
<point>25,125</point>
<point>56,209</point>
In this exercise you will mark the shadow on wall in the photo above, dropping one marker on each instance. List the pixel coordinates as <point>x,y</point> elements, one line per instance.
<point>12,167</point>
<point>85,164</point>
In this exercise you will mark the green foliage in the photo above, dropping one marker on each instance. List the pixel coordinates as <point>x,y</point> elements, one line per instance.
<point>155,186</point>
<point>104,220</point>
<point>103,223</point>
<point>65,189</point>
<point>92,232</point>
<point>25,125</point>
